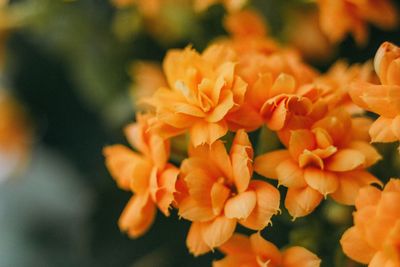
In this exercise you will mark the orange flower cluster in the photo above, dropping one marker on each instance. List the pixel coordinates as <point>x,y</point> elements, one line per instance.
<point>240,86</point>
<point>341,17</point>
<point>147,175</point>
<point>374,238</point>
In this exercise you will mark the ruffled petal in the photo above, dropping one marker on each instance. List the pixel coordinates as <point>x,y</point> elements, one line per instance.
<point>241,156</point>
<point>206,132</point>
<point>381,130</point>
<point>241,205</point>
<point>346,160</point>
<point>194,240</point>
<point>299,257</point>
<point>137,216</point>
<point>370,153</point>
<point>323,181</point>
<point>290,174</point>
<point>265,250</point>
<point>266,164</point>
<point>355,246</point>
<point>166,189</point>
<point>195,211</point>
<point>350,184</point>
<point>238,244</point>
<point>301,140</point>
<point>268,200</point>
<point>302,201</point>
<point>130,171</point>
<point>219,195</point>
<point>222,108</point>
<point>367,196</point>
<point>218,231</point>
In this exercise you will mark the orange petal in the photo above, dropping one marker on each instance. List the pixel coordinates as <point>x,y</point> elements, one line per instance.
<point>199,163</point>
<point>302,201</point>
<point>129,170</point>
<point>370,153</point>
<point>367,196</point>
<point>159,151</point>
<point>360,128</point>
<point>258,93</point>
<point>381,130</point>
<point>246,117</point>
<point>137,216</point>
<point>350,184</point>
<point>236,260</point>
<point>266,164</point>
<point>323,181</point>
<point>276,114</point>
<point>345,160</point>
<point>218,231</point>
<point>322,138</point>
<point>166,188</point>
<point>311,158</point>
<point>199,185</point>
<point>194,240</point>
<point>219,194</point>
<point>222,108</point>
<point>265,250</point>
<point>174,119</point>
<point>206,132</point>
<point>284,84</point>
<point>380,259</point>
<point>299,257</point>
<point>241,205</point>
<point>241,155</point>
<point>238,244</point>
<point>195,211</point>
<point>355,246</point>
<point>134,133</point>
<point>215,154</point>
<point>290,174</point>
<point>268,200</point>
<point>301,140</point>
<point>396,126</point>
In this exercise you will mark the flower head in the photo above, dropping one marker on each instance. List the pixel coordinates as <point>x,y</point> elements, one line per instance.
<point>255,251</point>
<point>203,89</point>
<point>146,174</point>
<point>383,99</point>
<point>328,158</point>
<point>219,193</point>
<point>375,237</point>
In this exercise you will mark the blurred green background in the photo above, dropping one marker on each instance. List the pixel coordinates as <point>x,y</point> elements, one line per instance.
<point>68,63</point>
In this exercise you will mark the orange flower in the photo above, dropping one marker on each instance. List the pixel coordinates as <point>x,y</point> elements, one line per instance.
<point>203,90</point>
<point>329,158</point>
<point>220,193</point>
<point>382,99</point>
<point>273,93</point>
<point>15,136</point>
<point>375,237</point>
<point>147,175</point>
<point>340,17</point>
<point>334,85</point>
<point>254,251</point>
